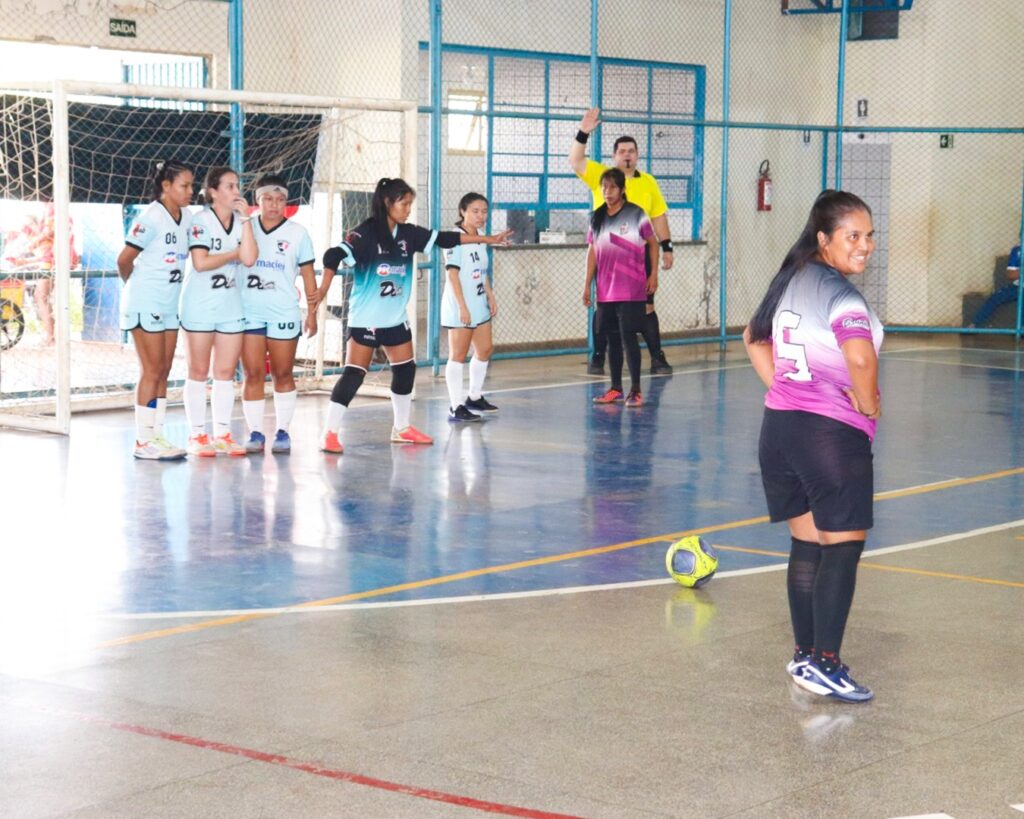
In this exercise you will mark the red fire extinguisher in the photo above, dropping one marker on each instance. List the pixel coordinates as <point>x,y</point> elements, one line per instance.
<point>764,187</point>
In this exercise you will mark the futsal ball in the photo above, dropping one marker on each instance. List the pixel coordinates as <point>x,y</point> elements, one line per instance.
<point>691,562</point>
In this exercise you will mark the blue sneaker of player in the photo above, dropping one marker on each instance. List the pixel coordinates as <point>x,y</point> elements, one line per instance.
<point>795,667</point>
<point>839,684</point>
<point>282,443</point>
<point>255,444</point>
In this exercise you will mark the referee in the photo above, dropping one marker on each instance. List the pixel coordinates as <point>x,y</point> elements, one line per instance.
<point>642,190</point>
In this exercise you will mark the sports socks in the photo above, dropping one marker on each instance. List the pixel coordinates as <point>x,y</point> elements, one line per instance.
<point>144,420</point>
<point>253,412</point>
<point>477,374</point>
<point>453,378</point>
<point>284,408</point>
<point>222,399</point>
<point>804,558</point>
<point>161,413</point>
<point>834,585</point>
<point>194,396</point>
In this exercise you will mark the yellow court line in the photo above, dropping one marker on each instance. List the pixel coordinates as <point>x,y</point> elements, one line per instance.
<point>947,575</point>
<point>525,564</point>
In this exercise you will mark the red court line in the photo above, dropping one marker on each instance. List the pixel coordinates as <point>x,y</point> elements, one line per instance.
<point>313,768</point>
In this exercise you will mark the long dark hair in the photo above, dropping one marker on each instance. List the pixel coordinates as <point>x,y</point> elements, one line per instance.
<point>388,191</point>
<point>466,201</point>
<point>618,179</point>
<point>167,171</point>
<point>829,209</point>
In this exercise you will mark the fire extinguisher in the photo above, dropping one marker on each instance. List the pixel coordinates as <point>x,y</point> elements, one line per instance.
<point>764,187</point>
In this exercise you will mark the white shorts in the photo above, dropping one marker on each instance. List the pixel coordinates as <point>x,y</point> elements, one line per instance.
<point>150,322</point>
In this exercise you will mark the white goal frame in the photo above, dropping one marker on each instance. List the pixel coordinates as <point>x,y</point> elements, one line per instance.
<point>60,91</point>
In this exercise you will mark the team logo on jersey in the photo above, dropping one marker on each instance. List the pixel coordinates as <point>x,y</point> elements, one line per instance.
<point>170,258</point>
<point>138,229</point>
<point>476,274</point>
<point>623,229</point>
<point>196,232</point>
<point>403,246</point>
<point>383,270</point>
<point>282,246</point>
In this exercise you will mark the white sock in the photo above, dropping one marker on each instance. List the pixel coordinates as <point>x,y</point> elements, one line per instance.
<point>161,414</point>
<point>194,395</point>
<point>284,407</point>
<point>144,418</point>
<point>453,377</point>
<point>253,412</point>
<point>335,412</point>
<point>222,401</point>
<point>477,374</point>
<point>402,406</point>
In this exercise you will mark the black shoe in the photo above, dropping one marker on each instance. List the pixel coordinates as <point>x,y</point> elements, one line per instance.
<point>596,365</point>
<point>660,365</point>
<point>480,404</point>
<point>460,413</point>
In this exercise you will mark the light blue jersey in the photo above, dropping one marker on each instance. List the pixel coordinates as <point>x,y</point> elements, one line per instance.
<point>212,296</point>
<point>268,288</point>
<point>155,283</point>
<point>474,267</point>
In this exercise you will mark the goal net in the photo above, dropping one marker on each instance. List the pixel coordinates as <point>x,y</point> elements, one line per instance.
<point>76,162</point>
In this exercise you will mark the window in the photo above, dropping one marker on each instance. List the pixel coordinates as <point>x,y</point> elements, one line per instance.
<point>467,132</point>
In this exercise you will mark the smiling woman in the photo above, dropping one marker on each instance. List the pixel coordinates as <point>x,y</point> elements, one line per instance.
<point>814,343</point>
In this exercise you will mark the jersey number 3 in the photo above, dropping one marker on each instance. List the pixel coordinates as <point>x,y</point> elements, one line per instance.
<point>789,351</point>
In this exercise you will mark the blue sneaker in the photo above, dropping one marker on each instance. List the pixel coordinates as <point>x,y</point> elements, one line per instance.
<point>795,667</point>
<point>282,443</point>
<point>838,684</point>
<point>255,444</point>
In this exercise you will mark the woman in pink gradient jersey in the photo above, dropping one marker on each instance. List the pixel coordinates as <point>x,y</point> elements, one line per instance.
<point>814,343</point>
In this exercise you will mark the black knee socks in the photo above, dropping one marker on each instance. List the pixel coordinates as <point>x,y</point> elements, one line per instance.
<point>833,595</point>
<point>804,558</point>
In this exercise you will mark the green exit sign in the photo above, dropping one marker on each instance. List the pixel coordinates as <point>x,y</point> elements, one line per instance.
<point>122,28</point>
<point>945,140</point>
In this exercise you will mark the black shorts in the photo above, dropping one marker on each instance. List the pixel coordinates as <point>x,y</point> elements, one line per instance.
<point>615,317</point>
<point>813,463</point>
<point>381,336</point>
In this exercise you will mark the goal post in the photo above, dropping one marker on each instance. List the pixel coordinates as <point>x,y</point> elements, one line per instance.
<point>75,164</point>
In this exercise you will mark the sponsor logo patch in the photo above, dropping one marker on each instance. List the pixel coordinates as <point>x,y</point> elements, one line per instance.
<point>383,270</point>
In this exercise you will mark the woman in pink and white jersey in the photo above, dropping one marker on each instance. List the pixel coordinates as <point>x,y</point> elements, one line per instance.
<point>814,343</point>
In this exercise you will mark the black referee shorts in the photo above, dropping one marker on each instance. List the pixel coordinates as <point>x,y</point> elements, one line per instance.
<point>813,463</point>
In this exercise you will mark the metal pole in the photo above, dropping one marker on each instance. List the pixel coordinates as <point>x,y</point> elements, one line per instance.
<point>62,255</point>
<point>321,312</point>
<point>236,49</point>
<point>410,149</point>
<point>1020,279</point>
<point>595,100</point>
<point>841,90</point>
<point>723,205</point>
<point>434,216</point>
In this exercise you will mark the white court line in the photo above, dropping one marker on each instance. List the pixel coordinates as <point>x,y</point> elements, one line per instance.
<point>1019,807</point>
<point>478,598</point>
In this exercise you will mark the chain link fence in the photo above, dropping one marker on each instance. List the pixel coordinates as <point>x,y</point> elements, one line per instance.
<point>714,92</point>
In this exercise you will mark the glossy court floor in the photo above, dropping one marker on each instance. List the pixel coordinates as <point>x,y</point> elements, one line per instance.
<point>485,625</point>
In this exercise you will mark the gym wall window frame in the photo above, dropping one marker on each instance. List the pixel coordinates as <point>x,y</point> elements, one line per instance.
<point>533,102</point>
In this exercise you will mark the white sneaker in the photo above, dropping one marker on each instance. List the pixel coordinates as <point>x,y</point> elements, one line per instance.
<point>226,445</point>
<point>200,445</point>
<point>170,451</point>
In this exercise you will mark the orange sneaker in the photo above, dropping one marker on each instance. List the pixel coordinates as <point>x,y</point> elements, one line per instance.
<point>610,397</point>
<point>200,446</point>
<point>226,445</point>
<point>634,399</point>
<point>331,445</point>
<point>409,435</point>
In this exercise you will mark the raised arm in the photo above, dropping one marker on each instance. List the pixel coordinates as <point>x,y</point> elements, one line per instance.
<point>578,149</point>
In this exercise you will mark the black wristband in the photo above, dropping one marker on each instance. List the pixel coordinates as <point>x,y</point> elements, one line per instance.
<point>582,137</point>
<point>666,245</point>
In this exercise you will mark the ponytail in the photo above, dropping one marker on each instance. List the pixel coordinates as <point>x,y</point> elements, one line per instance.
<point>167,172</point>
<point>388,191</point>
<point>829,209</point>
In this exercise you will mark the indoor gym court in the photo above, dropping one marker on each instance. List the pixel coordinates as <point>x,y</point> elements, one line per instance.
<point>485,625</point>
